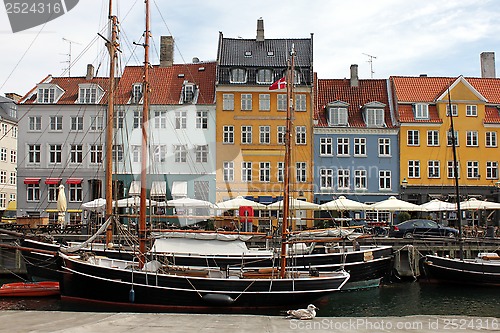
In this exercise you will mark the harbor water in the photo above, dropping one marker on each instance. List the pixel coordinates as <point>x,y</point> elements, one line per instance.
<point>391,299</point>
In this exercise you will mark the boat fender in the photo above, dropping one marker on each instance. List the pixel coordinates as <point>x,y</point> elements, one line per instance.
<point>218,299</point>
<point>131,296</point>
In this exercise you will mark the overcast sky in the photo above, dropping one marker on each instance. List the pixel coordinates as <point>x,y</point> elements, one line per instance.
<point>407,37</point>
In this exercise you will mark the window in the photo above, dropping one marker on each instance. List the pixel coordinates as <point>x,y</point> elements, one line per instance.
<point>136,93</point>
<point>264,102</point>
<point>246,134</point>
<point>413,138</point>
<point>451,169</point>
<point>13,156</point>
<point>3,177</point>
<point>33,192</point>
<point>375,117</point>
<point>88,95</point>
<point>450,138</point>
<point>342,146</point>
<point>265,134</point>
<point>228,173</point>
<point>119,119</point>
<point>202,119</point>
<point>227,102</point>
<point>471,110</point>
<point>46,95</point>
<point>202,153</point>
<point>343,178</point>
<point>159,153</point>
<point>14,131</point>
<point>55,154</point>
<point>434,170</point>
<point>180,119</point>
<point>188,93</point>
<point>384,147</point>
<point>301,172</point>
<point>246,102</point>
<point>201,189</point>
<point>360,179</point>
<point>77,123</point>
<point>300,135</point>
<point>75,192</point>
<point>228,134</point>
<point>421,111</point>
<point>95,154</point>
<point>473,169</point>
<point>246,172</point>
<point>280,176</point>
<point>34,154</point>
<point>52,192</point>
<point>471,138</point>
<point>359,146</point>
<point>491,170</point>
<point>326,146</point>
<point>3,154</point>
<point>180,154</point>
<point>326,178</point>
<point>281,135</point>
<point>454,110</point>
<point>13,178</point>
<point>265,172</point>
<point>96,123</point>
<point>56,123</point>
<point>35,123</point>
<point>282,102</point>
<point>238,75</point>
<point>433,138</point>
<point>76,153</point>
<point>136,154</point>
<point>384,179</point>
<point>338,117</point>
<point>491,139</point>
<point>300,102</point>
<point>5,129</point>
<point>265,76</point>
<point>137,119</point>
<point>161,119</point>
<point>413,169</point>
<point>117,153</point>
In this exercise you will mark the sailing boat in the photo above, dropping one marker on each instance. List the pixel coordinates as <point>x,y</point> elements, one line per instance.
<point>156,286</point>
<point>484,270</point>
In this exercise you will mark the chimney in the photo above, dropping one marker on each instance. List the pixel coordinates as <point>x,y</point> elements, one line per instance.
<point>354,76</point>
<point>488,65</point>
<point>90,72</point>
<point>260,30</point>
<point>166,51</point>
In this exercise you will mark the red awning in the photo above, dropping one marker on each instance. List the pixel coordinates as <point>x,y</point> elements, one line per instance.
<point>74,181</point>
<point>31,180</point>
<point>52,181</point>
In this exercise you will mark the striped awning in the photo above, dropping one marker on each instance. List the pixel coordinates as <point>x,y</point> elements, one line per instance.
<point>74,181</point>
<point>32,180</point>
<point>52,181</point>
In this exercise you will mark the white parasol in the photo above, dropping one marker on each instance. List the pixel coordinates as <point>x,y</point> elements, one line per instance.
<point>239,201</point>
<point>62,206</point>
<point>343,204</point>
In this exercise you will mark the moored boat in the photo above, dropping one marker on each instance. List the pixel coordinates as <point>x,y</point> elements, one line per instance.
<point>30,289</point>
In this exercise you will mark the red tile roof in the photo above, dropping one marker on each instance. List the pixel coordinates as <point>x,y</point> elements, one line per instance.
<point>166,82</point>
<point>331,90</point>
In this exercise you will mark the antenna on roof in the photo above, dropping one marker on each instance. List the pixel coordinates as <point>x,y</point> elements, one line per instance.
<point>70,42</point>
<point>371,63</point>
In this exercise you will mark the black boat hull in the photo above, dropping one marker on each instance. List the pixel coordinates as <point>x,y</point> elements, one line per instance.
<point>468,272</point>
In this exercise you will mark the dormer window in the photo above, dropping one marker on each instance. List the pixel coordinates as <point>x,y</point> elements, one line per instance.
<point>374,117</point>
<point>189,93</point>
<point>337,114</point>
<point>136,93</point>
<point>238,75</point>
<point>421,111</point>
<point>48,93</point>
<point>89,93</point>
<point>248,53</point>
<point>265,76</point>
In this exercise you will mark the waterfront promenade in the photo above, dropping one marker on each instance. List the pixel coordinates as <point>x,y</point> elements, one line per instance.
<point>12,321</point>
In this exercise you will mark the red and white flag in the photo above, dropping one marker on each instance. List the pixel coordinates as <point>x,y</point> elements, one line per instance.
<point>279,84</point>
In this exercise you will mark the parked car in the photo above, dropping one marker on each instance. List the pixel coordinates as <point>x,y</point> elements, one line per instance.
<point>421,228</point>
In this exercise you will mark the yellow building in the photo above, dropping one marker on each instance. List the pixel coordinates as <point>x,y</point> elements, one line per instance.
<point>251,119</point>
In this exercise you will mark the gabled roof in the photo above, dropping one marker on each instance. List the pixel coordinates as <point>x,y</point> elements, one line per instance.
<point>70,87</point>
<point>367,91</point>
<point>232,52</point>
<point>166,82</point>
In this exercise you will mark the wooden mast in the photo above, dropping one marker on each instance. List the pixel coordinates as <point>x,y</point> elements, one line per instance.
<point>112,46</point>
<point>286,179</point>
<point>455,173</point>
<point>144,149</point>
